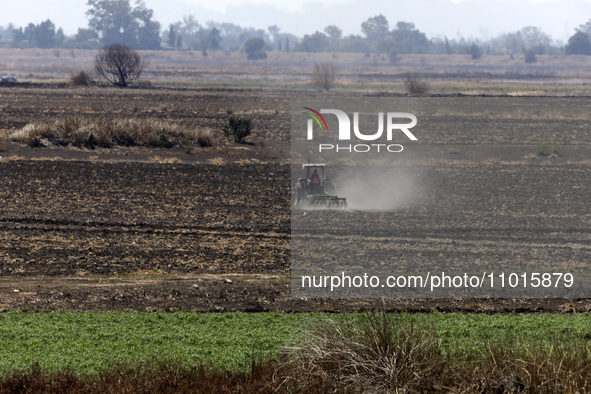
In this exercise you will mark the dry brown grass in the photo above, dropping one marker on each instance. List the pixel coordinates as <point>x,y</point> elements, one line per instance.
<point>147,272</point>
<point>92,133</point>
<point>15,157</point>
<point>55,158</point>
<point>514,162</point>
<point>166,160</point>
<point>324,75</point>
<point>172,160</point>
<point>218,161</point>
<point>415,84</point>
<point>81,79</point>
<point>378,354</point>
<point>492,160</point>
<point>202,137</point>
<point>383,354</point>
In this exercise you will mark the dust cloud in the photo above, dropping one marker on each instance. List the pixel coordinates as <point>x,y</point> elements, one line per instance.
<point>377,189</point>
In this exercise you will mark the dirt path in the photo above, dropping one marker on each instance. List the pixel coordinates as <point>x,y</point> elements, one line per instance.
<point>228,292</point>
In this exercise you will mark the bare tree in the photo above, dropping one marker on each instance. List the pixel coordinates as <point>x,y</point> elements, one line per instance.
<point>324,75</point>
<point>414,84</point>
<point>119,64</point>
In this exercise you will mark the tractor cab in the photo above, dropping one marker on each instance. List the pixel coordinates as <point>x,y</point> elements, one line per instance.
<point>316,188</point>
<point>315,180</point>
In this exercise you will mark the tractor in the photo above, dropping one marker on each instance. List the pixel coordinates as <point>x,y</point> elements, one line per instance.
<point>317,190</point>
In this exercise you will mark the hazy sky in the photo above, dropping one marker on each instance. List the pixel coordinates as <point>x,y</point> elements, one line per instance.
<point>470,18</point>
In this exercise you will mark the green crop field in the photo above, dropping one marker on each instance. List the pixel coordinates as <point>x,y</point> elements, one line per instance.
<point>90,342</point>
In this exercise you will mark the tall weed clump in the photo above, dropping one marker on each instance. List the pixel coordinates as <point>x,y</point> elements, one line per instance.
<point>105,133</point>
<point>415,85</point>
<point>378,353</point>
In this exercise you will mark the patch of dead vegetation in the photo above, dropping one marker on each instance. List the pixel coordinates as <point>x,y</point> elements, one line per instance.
<point>166,160</point>
<point>218,161</point>
<point>81,132</point>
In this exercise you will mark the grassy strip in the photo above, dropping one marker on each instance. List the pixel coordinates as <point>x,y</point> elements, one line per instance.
<point>90,342</point>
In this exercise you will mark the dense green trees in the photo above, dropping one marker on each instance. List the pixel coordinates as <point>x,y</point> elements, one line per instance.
<point>579,44</point>
<point>375,28</point>
<point>317,42</point>
<point>110,21</point>
<point>43,35</point>
<point>115,21</point>
<point>254,49</point>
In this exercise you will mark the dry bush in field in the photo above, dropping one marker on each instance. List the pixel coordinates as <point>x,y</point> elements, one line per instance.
<point>168,160</point>
<point>200,137</point>
<point>382,353</point>
<point>144,84</point>
<point>324,75</point>
<point>81,79</point>
<point>218,161</point>
<point>415,84</point>
<point>376,355</point>
<point>92,133</point>
<point>529,55</point>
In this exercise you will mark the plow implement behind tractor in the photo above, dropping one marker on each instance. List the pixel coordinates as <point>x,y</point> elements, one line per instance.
<point>317,190</point>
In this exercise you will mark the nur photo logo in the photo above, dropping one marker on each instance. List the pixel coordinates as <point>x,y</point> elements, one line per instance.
<point>351,131</point>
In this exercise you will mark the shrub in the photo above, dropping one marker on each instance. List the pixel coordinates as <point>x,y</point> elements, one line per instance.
<point>90,141</point>
<point>104,133</point>
<point>144,84</point>
<point>31,135</point>
<point>200,137</point>
<point>414,84</point>
<point>475,52</point>
<point>547,149</point>
<point>530,55</point>
<point>163,140</point>
<point>324,75</point>
<point>254,49</point>
<point>378,354</point>
<point>81,79</point>
<point>237,129</point>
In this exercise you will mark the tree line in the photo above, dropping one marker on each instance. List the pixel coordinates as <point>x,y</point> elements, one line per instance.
<point>118,21</point>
